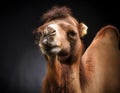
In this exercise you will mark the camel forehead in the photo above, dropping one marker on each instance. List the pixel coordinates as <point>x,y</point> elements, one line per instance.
<point>66,21</point>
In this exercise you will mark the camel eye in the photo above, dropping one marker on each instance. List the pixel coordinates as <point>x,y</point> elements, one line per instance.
<point>72,34</point>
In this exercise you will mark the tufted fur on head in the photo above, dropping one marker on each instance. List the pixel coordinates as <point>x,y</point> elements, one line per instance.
<point>56,13</point>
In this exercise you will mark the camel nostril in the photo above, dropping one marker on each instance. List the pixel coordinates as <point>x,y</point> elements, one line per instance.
<point>48,40</point>
<point>44,41</point>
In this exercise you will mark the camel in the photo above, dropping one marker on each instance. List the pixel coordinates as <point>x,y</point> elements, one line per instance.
<point>69,68</point>
<point>62,47</point>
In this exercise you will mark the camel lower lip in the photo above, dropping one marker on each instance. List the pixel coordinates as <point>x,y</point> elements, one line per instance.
<point>53,50</point>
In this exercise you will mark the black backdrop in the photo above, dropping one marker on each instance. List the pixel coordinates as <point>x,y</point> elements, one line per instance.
<point>22,66</point>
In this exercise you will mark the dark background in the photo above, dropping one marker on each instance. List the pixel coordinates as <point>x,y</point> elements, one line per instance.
<point>22,66</point>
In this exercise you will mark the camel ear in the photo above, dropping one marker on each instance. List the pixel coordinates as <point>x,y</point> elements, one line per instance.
<point>83,29</point>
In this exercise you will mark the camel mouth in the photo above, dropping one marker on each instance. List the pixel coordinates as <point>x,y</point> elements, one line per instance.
<point>55,50</point>
<point>52,50</point>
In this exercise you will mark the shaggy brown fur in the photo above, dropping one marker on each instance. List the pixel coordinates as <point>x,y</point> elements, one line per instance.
<point>55,13</point>
<point>62,74</point>
<point>97,71</point>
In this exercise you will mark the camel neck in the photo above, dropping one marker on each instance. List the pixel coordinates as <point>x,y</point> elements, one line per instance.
<point>63,77</point>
